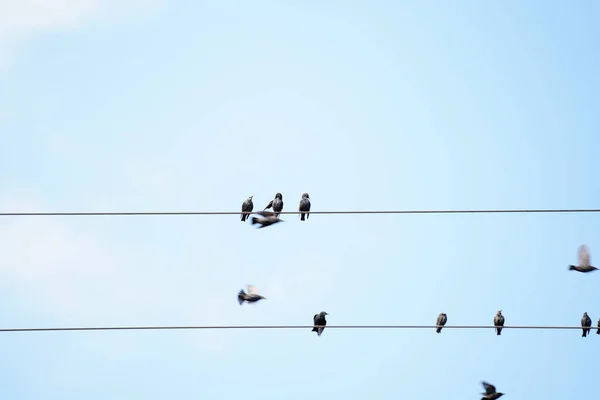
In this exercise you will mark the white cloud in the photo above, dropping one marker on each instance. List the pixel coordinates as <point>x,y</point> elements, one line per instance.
<point>20,19</point>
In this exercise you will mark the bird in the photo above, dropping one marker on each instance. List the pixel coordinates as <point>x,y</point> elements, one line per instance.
<point>490,392</point>
<point>441,321</point>
<point>319,322</point>
<point>251,297</point>
<point>598,333</point>
<point>266,221</point>
<point>247,206</point>
<point>586,323</point>
<point>304,206</point>
<point>584,261</point>
<point>499,322</point>
<point>276,203</point>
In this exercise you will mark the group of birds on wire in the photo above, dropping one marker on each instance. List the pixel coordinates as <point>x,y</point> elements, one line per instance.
<point>269,218</point>
<point>319,321</point>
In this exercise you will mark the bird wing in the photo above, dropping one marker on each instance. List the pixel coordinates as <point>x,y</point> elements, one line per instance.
<point>269,205</point>
<point>252,289</point>
<point>584,255</point>
<point>440,318</point>
<point>246,206</point>
<point>489,388</point>
<point>266,214</point>
<point>315,319</point>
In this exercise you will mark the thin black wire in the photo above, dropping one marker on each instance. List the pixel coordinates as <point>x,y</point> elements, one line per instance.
<point>515,211</point>
<point>209,327</point>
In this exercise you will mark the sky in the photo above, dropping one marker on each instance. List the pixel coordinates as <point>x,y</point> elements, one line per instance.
<point>149,105</point>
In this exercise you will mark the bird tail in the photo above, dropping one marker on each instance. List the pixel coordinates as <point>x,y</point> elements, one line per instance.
<point>584,334</point>
<point>254,220</point>
<point>439,329</point>
<point>241,297</point>
<point>244,216</point>
<point>498,331</point>
<point>598,333</point>
<point>302,216</point>
<point>572,268</point>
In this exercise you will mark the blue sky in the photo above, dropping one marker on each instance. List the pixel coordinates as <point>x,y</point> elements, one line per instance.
<point>147,106</point>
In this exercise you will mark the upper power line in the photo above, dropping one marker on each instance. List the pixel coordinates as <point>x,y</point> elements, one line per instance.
<point>131,213</point>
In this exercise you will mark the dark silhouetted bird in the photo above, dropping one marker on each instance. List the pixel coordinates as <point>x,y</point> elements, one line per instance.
<point>304,206</point>
<point>319,322</point>
<point>598,333</point>
<point>276,203</point>
<point>441,321</point>
<point>247,206</point>
<point>490,392</point>
<point>499,322</point>
<point>584,261</point>
<point>251,297</point>
<point>586,324</point>
<point>266,221</point>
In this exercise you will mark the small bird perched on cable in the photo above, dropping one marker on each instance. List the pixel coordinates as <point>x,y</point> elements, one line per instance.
<point>247,206</point>
<point>584,261</point>
<point>304,206</point>
<point>499,322</point>
<point>251,297</point>
<point>490,392</point>
<point>319,322</point>
<point>441,321</point>
<point>276,203</point>
<point>586,324</point>
<point>267,220</point>
<point>598,333</point>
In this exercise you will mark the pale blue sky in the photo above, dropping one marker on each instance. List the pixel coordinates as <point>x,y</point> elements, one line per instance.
<point>385,105</point>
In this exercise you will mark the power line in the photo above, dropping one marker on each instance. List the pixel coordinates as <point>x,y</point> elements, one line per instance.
<point>213,327</point>
<point>131,213</point>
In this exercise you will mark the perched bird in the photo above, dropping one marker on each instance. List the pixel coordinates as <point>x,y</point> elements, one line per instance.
<point>319,322</point>
<point>490,392</point>
<point>598,333</point>
<point>266,221</point>
<point>441,321</point>
<point>247,206</point>
<point>251,297</point>
<point>304,206</point>
<point>276,203</point>
<point>499,322</point>
<point>586,324</point>
<point>584,261</point>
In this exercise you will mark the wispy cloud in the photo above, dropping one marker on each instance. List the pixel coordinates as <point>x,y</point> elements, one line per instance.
<point>21,19</point>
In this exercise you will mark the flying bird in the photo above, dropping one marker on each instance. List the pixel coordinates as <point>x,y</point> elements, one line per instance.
<point>319,322</point>
<point>247,206</point>
<point>266,221</point>
<point>304,206</point>
<point>584,261</point>
<point>441,321</point>
<point>490,392</point>
<point>251,297</point>
<point>499,322</point>
<point>276,203</point>
<point>586,324</point>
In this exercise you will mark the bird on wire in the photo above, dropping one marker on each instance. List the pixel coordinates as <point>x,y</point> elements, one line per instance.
<point>268,219</point>
<point>499,322</point>
<point>304,206</point>
<point>247,206</point>
<point>598,333</point>
<point>584,261</point>
<point>490,392</point>
<point>319,322</point>
<point>276,203</point>
<point>251,297</point>
<point>441,321</point>
<point>586,324</point>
